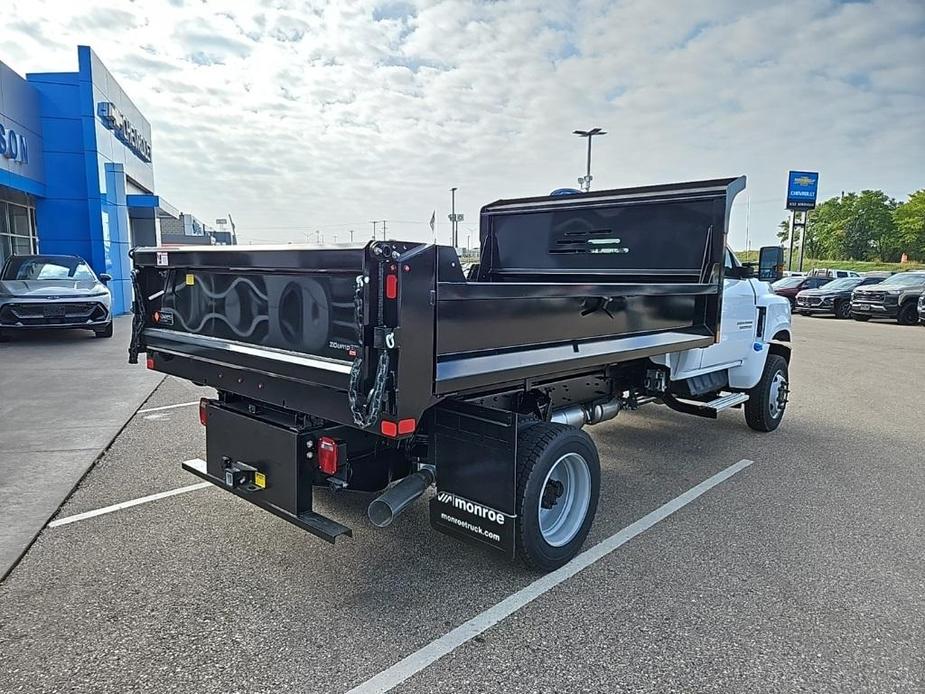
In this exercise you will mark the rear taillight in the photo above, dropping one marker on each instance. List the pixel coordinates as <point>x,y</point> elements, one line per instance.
<point>327,455</point>
<point>149,362</point>
<point>391,286</point>
<point>203,411</point>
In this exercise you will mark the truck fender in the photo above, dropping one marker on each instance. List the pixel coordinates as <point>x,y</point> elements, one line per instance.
<point>774,339</point>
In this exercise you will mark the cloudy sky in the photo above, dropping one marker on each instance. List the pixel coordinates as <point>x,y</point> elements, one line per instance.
<point>303,116</point>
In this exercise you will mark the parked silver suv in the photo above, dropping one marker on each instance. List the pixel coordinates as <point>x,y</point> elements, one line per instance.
<point>895,297</point>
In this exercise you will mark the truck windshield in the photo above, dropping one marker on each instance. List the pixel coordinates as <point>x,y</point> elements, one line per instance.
<point>904,279</point>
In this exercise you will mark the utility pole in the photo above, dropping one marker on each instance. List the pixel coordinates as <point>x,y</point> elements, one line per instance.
<point>374,229</point>
<point>383,230</point>
<point>585,181</point>
<point>790,255</point>
<point>318,236</point>
<point>351,236</point>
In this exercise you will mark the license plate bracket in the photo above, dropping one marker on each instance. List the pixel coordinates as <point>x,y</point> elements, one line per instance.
<point>53,310</point>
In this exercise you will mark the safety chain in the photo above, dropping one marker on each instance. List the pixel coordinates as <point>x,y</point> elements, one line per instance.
<point>365,415</point>
<point>139,309</point>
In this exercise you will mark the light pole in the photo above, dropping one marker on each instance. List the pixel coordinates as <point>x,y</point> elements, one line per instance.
<point>586,180</point>
<point>454,218</point>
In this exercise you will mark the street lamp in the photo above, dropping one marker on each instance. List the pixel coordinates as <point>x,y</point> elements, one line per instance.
<point>455,218</point>
<point>585,181</point>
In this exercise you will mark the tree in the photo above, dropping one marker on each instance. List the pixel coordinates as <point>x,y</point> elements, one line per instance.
<point>827,224</point>
<point>855,227</point>
<point>783,231</point>
<point>910,224</point>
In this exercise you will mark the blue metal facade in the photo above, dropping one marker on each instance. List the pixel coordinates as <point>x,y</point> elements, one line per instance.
<point>88,147</point>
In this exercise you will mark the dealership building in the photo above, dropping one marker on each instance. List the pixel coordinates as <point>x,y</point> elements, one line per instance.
<point>76,173</point>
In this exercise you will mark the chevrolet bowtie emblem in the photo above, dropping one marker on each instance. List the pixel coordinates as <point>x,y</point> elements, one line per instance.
<point>804,181</point>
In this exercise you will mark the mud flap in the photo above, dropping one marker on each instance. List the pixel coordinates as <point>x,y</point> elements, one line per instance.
<point>475,455</point>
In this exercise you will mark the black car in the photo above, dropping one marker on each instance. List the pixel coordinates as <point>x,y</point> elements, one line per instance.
<point>834,297</point>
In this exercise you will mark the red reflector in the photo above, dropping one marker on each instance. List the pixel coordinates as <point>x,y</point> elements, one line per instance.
<point>389,429</point>
<point>406,426</point>
<point>203,411</point>
<point>149,362</point>
<point>327,455</point>
<point>157,316</point>
<point>391,286</point>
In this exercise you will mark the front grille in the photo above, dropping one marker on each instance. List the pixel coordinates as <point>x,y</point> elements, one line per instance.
<point>35,313</point>
<point>870,297</point>
<point>809,301</point>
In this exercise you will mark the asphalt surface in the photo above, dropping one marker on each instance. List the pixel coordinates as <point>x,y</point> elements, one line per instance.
<point>803,572</point>
<point>58,412</point>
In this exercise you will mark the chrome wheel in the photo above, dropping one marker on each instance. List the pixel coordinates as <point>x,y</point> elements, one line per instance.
<point>565,499</point>
<point>777,396</point>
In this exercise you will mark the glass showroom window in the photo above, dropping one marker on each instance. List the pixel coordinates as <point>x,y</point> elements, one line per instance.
<point>17,230</point>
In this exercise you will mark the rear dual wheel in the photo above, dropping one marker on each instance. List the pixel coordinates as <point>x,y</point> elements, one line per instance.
<point>558,482</point>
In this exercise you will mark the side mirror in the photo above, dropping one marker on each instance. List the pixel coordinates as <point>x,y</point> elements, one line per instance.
<point>105,277</point>
<point>770,263</point>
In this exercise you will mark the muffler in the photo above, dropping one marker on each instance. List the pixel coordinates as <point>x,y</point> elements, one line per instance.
<point>579,415</point>
<point>383,509</point>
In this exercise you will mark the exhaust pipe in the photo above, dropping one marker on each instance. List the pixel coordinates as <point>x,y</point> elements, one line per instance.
<point>383,509</point>
<point>579,415</point>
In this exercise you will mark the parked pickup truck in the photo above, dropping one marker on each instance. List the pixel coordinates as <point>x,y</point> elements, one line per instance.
<point>895,297</point>
<point>383,368</point>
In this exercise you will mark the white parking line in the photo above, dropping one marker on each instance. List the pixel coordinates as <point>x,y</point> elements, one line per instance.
<point>417,661</point>
<point>166,407</point>
<point>127,504</point>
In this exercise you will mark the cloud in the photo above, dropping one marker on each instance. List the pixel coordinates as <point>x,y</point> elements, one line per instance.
<point>298,116</point>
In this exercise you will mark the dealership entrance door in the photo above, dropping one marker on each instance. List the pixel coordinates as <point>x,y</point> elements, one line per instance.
<point>17,223</point>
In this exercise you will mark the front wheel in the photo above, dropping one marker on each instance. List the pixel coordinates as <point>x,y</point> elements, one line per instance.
<point>558,482</point>
<point>843,309</point>
<point>908,314</point>
<point>767,401</point>
<point>104,332</point>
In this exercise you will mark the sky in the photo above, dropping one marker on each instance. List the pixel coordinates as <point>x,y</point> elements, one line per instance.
<point>306,117</point>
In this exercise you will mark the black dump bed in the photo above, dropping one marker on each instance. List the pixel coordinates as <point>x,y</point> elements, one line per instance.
<point>564,284</point>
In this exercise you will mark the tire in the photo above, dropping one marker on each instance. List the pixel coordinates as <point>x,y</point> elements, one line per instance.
<point>104,332</point>
<point>860,318</point>
<point>908,314</point>
<point>554,461</point>
<point>843,309</point>
<point>766,404</point>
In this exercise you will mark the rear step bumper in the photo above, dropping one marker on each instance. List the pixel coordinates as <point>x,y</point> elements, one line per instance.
<point>312,522</point>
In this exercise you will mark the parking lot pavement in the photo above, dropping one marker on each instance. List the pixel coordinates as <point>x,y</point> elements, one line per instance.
<point>802,572</point>
<point>65,395</point>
